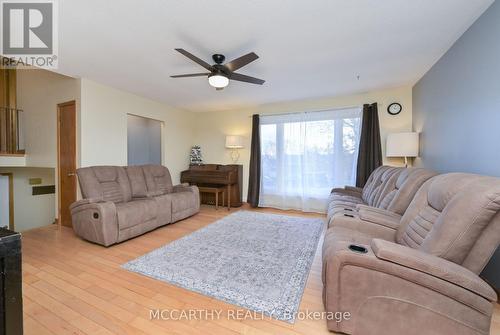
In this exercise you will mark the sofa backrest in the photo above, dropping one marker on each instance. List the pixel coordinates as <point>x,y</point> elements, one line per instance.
<point>158,179</point>
<point>373,182</point>
<point>386,183</point>
<point>401,189</point>
<point>455,216</point>
<point>137,181</point>
<point>108,183</point>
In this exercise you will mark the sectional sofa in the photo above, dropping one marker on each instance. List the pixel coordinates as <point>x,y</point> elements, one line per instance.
<point>123,202</point>
<point>414,271</point>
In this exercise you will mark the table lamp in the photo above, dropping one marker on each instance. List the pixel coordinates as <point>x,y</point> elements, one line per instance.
<point>234,142</point>
<point>402,145</point>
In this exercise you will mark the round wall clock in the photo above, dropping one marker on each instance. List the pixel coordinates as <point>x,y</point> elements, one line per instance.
<point>394,108</point>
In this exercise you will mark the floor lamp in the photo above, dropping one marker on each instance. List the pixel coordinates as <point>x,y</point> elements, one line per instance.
<point>402,145</point>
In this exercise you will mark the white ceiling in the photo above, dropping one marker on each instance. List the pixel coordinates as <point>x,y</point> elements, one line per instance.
<point>308,49</point>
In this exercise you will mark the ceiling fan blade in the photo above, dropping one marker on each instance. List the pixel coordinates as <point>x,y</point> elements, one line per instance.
<point>195,59</point>
<point>246,79</point>
<point>241,61</point>
<point>190,75</point>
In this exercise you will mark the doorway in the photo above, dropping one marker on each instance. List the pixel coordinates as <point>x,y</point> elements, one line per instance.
<point>66,160</point>
<point>144,140</point>
<point>7,200</point>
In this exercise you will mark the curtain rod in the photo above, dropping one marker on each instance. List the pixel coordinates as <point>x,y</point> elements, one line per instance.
<point>312,111</point>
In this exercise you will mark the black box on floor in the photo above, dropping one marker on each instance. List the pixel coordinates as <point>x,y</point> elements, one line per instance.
<point>11,300</point>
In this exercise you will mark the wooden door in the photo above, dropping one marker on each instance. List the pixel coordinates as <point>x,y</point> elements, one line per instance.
<point>66,144</point>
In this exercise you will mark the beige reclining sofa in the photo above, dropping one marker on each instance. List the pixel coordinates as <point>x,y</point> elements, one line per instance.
<point>123,202</point>
<point>416,273</point>
<point>387,188</point>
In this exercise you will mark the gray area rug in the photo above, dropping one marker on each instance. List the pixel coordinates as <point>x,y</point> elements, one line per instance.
<point>254,260</point>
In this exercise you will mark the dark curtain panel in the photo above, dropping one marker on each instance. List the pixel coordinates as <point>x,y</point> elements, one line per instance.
<point>370,145</point>
<point>254,178</point>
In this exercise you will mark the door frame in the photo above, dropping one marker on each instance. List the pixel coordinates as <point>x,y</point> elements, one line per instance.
<point>11,198</point>
<point>59,106</point>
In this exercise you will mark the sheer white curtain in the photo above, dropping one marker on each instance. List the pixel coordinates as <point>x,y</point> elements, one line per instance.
<point>305,155</point>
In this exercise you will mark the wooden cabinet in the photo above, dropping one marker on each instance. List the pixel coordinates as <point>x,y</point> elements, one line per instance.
<point>11,304</point>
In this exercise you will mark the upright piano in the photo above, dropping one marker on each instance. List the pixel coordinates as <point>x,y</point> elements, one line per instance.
<point>215,175</point>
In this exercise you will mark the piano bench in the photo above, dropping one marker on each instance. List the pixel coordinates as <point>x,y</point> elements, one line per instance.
<point>215,191</point>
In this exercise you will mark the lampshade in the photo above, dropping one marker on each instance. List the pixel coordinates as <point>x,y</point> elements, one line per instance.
<point>402,145</point>
<point>234,142</point>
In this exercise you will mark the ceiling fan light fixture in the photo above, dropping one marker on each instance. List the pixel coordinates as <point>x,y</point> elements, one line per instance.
<point>219,74</point>
<point>218,81</point>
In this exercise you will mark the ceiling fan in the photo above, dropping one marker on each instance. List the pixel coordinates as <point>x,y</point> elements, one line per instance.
<point>220,74</point>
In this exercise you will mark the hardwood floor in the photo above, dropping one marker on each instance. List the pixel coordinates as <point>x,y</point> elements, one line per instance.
<point>75,287</point>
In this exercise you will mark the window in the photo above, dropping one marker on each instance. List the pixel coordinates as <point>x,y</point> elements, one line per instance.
<point>143,140</point>
<point>305,155</point>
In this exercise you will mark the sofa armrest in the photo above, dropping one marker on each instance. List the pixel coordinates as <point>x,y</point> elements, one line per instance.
<point>348,188</point>
<point>354,189</point>
<point>381,279</point>
<point>95,221</point>
<point>185,187</point>
<point>379,216</point>
<point>85,202</point>
<point>433,266</point>
<point>348,191</point>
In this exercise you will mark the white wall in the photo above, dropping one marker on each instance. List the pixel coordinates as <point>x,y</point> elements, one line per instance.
<point>32,211</point>
<point>212,127</point>
<point>38,94</point>
<point>104,127</point>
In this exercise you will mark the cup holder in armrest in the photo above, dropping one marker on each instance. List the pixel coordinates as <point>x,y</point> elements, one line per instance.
<point>358,248</point>
<point>349,215</point>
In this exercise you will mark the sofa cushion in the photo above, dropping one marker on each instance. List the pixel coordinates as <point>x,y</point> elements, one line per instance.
<point>373,182</point>
<point>406,186</point>
<point>450,214</point>
<point>158,179</point>
<point>135,212</point>
<point>419,227</point>
<point>164,205</point>
<point>107,183</point>
<point>385,184</point>
<point>465,216</point>
<point>137,181</point>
